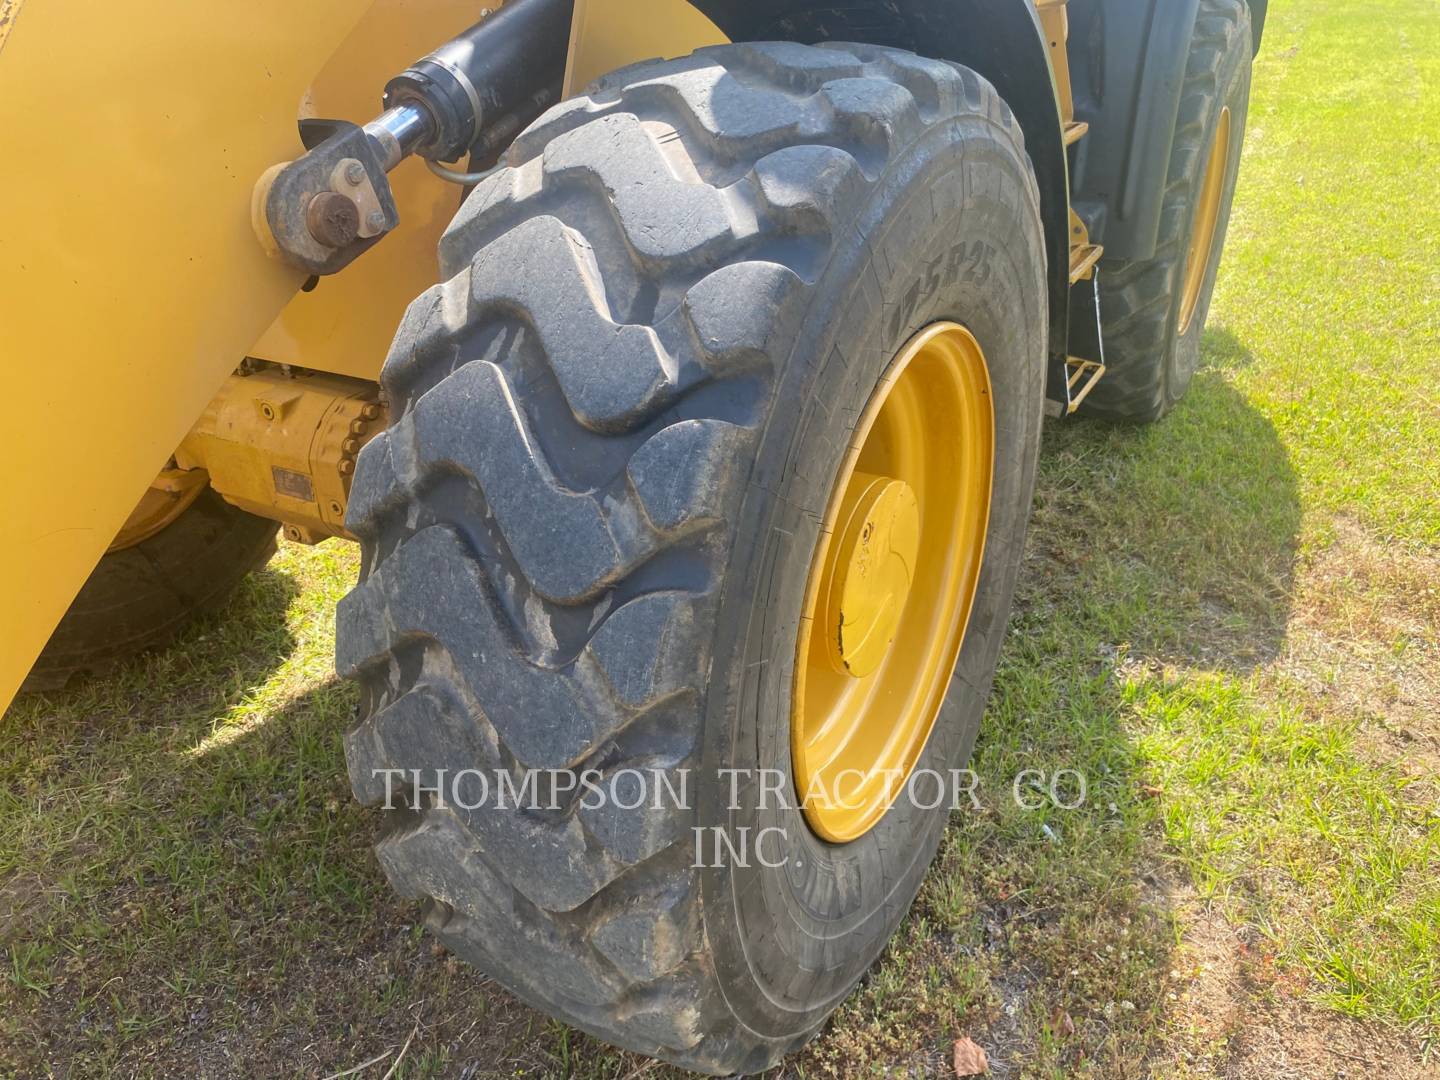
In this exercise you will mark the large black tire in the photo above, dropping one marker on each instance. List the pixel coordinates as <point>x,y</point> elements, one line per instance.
<point>586,534</point>
<point>1149,361</point>
<point>138,598</point>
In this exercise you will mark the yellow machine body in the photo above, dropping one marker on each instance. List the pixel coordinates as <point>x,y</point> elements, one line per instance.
<point>132,284</point>
<point>284,446</point>
<point>345,324</point>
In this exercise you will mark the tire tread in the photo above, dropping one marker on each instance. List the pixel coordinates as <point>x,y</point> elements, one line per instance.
<point>545,521</point>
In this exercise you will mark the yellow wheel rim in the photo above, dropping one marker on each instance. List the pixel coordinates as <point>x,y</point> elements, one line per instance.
<point>892,582</point>
<point>1207,221</point>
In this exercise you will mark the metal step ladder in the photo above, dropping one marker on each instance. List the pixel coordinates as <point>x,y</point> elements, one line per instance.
<point>1081,374</point>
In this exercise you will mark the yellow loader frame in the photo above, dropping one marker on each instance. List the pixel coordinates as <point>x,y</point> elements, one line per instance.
<point>132,284</point>
<point>135,296</point>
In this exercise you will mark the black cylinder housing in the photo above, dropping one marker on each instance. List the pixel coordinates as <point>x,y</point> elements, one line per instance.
<point>489,70</point>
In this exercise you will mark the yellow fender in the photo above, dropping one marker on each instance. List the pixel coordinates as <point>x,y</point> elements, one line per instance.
<point>130,279</point>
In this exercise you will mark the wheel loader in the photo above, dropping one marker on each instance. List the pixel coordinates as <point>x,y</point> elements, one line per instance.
<point>679,367</point>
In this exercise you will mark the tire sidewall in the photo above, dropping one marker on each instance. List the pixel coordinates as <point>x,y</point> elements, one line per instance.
<point>141,597</point>
<point>947,233</point>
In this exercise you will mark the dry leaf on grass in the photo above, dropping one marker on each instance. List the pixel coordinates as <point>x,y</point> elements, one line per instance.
<point>970,1059</point>
<point>1061,1024</point>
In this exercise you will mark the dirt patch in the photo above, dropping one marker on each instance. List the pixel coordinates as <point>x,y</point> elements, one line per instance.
<point>1234,1013</point>
<point>1364,641</point>
<point>17,894</point>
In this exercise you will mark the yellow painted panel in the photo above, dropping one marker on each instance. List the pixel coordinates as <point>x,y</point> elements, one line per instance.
<point>130,278</point>
<point>608,34</point>
<point>345,324</point>
<point>9,11</point>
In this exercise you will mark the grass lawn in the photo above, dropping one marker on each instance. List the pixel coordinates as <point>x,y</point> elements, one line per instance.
<point>1230,622</point>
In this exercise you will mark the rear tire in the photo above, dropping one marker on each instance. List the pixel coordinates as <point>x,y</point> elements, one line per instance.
<point>1150,356</point>
<point>587,533</point>
<point>138,598</point>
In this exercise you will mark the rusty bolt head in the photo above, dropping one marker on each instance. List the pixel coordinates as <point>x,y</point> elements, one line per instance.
<point>350,447</point>
<point>354,173</point>
<point>358,427</point>
<point>346,467</point>
<point>370,412</point>
<point>376,220</point>
<point>332,219</point>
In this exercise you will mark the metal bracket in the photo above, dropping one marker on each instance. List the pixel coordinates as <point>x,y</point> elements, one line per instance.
<point>1084,374</point>
<point>1073,377</point>
<point>1081,373</point>
<point>1084,256</point>
<point>322,210</point>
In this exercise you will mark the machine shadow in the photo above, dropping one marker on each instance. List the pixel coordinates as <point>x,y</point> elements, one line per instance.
<point>211,664</point>
<point>1185,533</point>
<point>186,830</point>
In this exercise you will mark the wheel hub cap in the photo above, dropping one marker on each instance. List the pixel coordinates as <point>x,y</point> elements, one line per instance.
<point>870,572</point>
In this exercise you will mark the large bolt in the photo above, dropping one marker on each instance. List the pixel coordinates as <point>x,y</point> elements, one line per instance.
<point>333,219</point>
